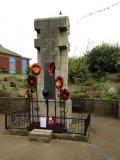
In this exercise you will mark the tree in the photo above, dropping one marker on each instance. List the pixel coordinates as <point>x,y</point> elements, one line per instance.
<point>77,70</point>
<point>105,57</point>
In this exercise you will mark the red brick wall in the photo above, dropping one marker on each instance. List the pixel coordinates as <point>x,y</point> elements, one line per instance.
<point>4,61</point>
<point>18,66</point>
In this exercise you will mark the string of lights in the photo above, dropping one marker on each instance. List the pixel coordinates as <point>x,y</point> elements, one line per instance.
<point>97,11</point>
<point>78,20</point>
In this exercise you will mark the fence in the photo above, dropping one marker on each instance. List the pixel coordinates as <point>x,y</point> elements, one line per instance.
<point>17,120</point>
<point>22,120</point>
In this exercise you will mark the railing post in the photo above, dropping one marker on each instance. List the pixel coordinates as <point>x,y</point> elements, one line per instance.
<point>29,110</point>
<point>85,128</point>
<point>87,123</point>
<point>6,121</point>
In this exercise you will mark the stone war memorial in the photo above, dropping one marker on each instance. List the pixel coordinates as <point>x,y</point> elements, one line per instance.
<point>52,47</point>
<point>52,50</point>
<point>48,99</point>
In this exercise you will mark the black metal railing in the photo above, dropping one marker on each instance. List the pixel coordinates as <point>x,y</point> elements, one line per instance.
<point>87,123</point>
<point>22,120</point>
<point>16,120</point>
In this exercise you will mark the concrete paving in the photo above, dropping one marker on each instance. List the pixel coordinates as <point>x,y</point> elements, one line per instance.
<point>105,134</point>
<point>21,148</point>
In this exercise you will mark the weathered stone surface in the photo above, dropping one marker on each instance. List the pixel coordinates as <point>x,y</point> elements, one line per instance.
<point>12,104</point>
<point>41,132</point>
<point>75,137</point>
<point>21,132</point>
<point>52,46</point>
<point>97,106</point>
<point>41,135</point>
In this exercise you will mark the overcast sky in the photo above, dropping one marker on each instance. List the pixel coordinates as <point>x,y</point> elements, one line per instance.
<point>17,23</point>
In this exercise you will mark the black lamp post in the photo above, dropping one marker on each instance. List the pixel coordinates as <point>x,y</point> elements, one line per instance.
<point>45,93</point>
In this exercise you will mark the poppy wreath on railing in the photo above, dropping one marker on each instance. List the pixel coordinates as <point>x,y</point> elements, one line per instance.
<point>64,94</point>
<point>51,69</point>
<point>32,81</point>
<point>35,69</point>
<point>59,82</point>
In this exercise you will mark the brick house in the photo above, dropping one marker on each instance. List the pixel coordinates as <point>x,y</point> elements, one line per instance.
<point>11,62</point>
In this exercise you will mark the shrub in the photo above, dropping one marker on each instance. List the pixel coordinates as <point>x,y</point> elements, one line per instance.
<point>4,93</point>
<point>78,94</point>
<point>20,95</point>
<point>88,83</point>
<point>77,70</point>
<point>114,77</point>
<point>5,79</point>
<point>100,75</point>
<point>12,84</point>
<point>4,87</point>
<point>20,80</point>
<point>100,87</point>
<point>105,58</point>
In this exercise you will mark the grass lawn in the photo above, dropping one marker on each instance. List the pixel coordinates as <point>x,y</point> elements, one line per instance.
<point>12,75</point>
<point>12,85</point>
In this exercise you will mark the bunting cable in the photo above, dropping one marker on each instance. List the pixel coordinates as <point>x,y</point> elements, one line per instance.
<point>98,11</point>
<point>93,13</point>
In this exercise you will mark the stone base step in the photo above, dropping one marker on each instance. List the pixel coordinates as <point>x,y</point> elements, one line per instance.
<point>41,135</point>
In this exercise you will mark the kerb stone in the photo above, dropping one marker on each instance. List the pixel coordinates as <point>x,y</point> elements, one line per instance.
<point>41,135</point>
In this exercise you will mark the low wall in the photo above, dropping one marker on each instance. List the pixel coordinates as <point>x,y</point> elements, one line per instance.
<point>12,104</point>
<point>99,107</point>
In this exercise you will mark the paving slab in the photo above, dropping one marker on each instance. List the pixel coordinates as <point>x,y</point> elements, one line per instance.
<point>104,144</point>
<point>41,135</point>
<point>105,134</point>
<point>21,148</point>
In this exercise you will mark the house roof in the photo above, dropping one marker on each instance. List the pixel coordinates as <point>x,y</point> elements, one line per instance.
<point>7,51</point>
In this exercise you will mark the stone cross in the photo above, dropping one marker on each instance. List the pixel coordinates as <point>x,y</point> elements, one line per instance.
<point>52,46</point>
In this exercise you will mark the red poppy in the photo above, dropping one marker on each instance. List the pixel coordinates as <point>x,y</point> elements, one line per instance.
<point>64,94</point>
<point>59,82</point>
<point>35,69</point>
<point>51,69</point>
<point>32,81</point>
